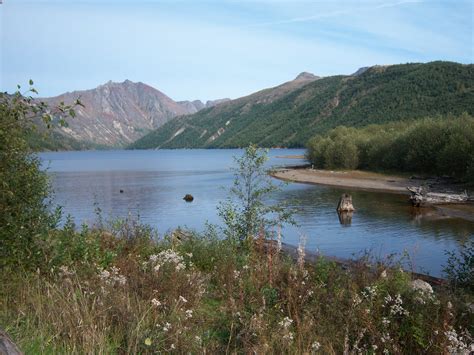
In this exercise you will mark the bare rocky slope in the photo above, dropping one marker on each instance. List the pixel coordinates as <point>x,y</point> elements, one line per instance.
<point>117,114</point>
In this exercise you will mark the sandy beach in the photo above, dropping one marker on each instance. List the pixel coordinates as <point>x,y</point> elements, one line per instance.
<point>353,179</point>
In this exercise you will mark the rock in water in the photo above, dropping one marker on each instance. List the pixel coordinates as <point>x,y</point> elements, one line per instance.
<point>188,198</point>
<point>345,204</point>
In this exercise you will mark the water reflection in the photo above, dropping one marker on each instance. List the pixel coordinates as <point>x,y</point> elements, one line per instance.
<point>345,218</point>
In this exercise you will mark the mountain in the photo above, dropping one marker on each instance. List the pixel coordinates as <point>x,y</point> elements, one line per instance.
<point>198,105</point>
<point>116,114</point>
<point>289,114</point>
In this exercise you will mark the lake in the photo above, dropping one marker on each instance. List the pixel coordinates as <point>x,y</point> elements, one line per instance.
<point>154,183</point>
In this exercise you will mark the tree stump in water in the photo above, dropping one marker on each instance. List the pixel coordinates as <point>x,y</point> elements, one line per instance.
<point>345,204</point>
<point>7,346</point>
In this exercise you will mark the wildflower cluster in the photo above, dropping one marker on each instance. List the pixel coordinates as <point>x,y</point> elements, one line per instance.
<point>423,290</point>
<point>285,324</point>
<point>395,304</point>
<point>370,292</point>
<point>64,271</point>
<point>170,257</point>
<point>459,343</point>
<point>112,277</point>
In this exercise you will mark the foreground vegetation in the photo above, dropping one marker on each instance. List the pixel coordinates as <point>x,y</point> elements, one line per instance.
<point>121,288</point>
<point>428,146</point>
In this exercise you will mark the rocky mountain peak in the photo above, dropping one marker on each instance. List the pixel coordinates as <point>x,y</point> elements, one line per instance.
<point>306,76</point>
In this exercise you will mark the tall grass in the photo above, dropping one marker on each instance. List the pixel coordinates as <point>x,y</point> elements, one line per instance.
<point>126,291</point>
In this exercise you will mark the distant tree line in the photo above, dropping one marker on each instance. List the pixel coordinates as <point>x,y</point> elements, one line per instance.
<point>428,146</point>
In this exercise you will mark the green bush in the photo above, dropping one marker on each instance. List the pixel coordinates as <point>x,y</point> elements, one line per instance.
<point>25,215</point>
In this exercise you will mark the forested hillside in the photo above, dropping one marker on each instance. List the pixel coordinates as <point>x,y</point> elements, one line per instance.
<point>379,94</point>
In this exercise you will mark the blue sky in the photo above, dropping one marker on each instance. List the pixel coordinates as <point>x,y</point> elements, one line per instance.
<point>212,49</point>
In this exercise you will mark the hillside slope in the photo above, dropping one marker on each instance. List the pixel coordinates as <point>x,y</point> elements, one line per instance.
<point>116,114</point>
<point>290,114</point>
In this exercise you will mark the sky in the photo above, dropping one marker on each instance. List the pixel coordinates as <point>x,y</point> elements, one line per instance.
<point>191,49</point>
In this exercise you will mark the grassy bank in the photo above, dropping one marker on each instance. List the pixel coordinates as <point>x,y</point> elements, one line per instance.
<point>121,289</point>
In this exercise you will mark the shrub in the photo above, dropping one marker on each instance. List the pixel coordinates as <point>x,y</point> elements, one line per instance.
<point>25,216</point>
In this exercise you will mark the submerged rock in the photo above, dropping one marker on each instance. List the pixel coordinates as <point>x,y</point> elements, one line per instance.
<point>188,198</point>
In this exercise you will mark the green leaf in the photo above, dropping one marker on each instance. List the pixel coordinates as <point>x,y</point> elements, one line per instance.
<point>31,82</point>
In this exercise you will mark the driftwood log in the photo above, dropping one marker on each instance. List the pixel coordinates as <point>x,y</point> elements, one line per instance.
<point>7,346</point>
<point>421,197</point>
<point>345,204</point>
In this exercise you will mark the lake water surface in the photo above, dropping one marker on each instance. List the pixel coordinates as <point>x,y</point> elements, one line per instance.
<point>154,183</point>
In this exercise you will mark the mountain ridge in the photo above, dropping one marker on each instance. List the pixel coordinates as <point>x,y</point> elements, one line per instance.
<point>289,114</point>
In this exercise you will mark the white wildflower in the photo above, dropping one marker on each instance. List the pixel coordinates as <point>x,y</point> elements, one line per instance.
<point>301,250</point>
<point>288,337</point>
<point>168,256</point>
<point>279,245</point>
<point>286,322</point>
<point>315,346</point>
<point>166,327</point>
<point>356,300</point>
<point>459,343</point>
<point>189,313</point>
<point>385,338</point>
<point>370,292</point>
<point>155,302</point>
<point>112,277</point>
<point>421,286</point>
<point>397,308</point>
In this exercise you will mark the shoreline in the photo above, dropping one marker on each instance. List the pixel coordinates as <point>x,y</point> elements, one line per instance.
<point>376,182</point>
